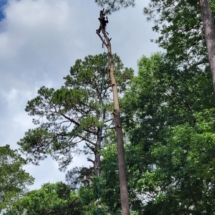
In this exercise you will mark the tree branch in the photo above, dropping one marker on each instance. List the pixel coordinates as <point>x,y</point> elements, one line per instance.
<point>103,41</point>
<point>78,124</point>
<point>66,207</point>
<point>85,139</point>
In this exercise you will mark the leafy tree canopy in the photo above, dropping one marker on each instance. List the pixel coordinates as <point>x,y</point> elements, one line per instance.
<point>49,199</point>
<point>59,199</point>
<point>169,117</point>
<point>69,119</point>
<point>180,26</point>
<point>13,179</point>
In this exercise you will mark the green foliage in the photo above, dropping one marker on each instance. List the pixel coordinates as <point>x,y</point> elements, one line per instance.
<point>71,112</point>
<point>90,205</point>
<point>79,176</point>
<point>114,5</point>
<point>50,199</point>
<point>170,123</point>
<point>180,26</point>
<point>58,199</point>
<point>110,180</point>
<point>13,179</point>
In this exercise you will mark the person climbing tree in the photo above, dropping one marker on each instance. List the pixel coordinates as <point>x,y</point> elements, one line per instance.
<point>103,21</point>
<point>125,210</point>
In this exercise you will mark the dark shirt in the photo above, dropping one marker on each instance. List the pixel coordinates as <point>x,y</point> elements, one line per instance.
<point>103,22</point>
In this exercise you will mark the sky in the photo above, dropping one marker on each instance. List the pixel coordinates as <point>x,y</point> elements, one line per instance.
<point>40,40</point>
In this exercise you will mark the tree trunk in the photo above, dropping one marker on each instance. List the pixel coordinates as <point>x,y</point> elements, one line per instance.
<point>119,134</point>
<point>97,158</point>
<point>120,145</point>
<point>209,32</point>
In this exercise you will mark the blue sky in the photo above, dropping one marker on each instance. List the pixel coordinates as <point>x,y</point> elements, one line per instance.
<point>2,3</point>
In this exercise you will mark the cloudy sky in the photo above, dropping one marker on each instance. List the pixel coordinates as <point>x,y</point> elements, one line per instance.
<point>39,42</point>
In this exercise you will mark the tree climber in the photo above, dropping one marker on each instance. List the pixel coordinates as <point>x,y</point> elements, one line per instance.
<point>103,21</point>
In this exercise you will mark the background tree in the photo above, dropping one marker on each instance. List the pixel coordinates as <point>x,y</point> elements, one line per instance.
<point>187,30</point>
<point>49,199</point>
<point>13,179</point>
<point>181,30</point>
<point>170,123</point>
<point>109,180</point>
<point>68,118</point>
<point>209,33</point>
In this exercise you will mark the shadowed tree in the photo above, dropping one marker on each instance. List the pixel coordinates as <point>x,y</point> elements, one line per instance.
<point>170,120</point>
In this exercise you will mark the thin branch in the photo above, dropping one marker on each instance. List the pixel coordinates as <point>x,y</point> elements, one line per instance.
<point>196,64</point>
<point>103,41</point>
<point>87,140</point>
<point>78,124</point>
<point>90,147</point>
<point>88,159</point>
<point>108,120</point>
<point>66,207</point>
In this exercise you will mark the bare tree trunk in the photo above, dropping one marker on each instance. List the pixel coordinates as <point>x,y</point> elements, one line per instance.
<point>209,32</point>
<point>119,134</point>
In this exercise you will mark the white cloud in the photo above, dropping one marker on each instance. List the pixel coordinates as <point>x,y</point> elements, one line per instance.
<point>10,95</point>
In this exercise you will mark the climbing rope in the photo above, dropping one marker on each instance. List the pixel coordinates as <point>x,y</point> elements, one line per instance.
<point>101,125</point>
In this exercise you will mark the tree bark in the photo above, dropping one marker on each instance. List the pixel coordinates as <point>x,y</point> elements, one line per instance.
<point>119,134</point>
<point>209,32</point>
<point>97,158</point>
